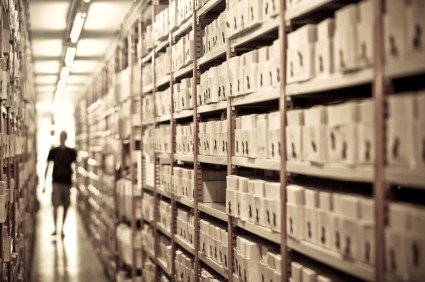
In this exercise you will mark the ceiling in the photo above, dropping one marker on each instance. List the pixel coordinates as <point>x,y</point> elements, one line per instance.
<point>50,36</point>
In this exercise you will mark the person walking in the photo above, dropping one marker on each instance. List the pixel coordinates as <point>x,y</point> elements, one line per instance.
<point>62,158</point>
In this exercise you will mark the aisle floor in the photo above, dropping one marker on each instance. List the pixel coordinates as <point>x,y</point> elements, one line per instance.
<point>68,260</point>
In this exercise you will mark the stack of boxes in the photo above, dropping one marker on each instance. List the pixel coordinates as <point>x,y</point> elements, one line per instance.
<point>125,195</point>
<point>406,130</point>
<point>254,200</point>
<point>209,276</point>
<point>258,136</point>
<point>185,226</point>
<point>183,95</point>
<point>158,139</point>
<point>162,65</point>
<point>182,52</point>
<point>340,133</point>
<point>165,173</point>
<point>183,182</point>
<point>163,102</point>
<point>184,267</point>
<point>214,242</point>
<point>148,237</point>
<point>404,242</point>
<point>337,45</point>
<point>403,23</point>
<point>313,273</point>
<point>148,271</point>
<point>214,34</point>
<point>184,139</point>
<point>212,138</point>
<point>165,215</point>
<point>125,242</point>
<point>255,261</point>
<point>243,15</point>
<point>148,205</point>
<point>164,253</point>
<point>343,223</point>
<point>148,107</point>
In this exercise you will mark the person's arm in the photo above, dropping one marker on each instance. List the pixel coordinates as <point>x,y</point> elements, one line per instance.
<point>45,174</point>
<point>49,162</point>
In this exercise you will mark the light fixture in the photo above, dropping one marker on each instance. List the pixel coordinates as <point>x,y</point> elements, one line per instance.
<point>61,85</point>
<point>77,27</point>
<point>87,1</point>
<point>65,73</point>
<point>70,55</point>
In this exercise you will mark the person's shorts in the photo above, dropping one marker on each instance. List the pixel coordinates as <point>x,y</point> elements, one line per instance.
<point>61,194</point>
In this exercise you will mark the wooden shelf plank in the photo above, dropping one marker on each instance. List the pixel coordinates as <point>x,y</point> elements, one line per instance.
<point>217,210</point>
<point>405,177</point>
<point>257,163</point>
<point>258,230</point>
<point>185,245</point>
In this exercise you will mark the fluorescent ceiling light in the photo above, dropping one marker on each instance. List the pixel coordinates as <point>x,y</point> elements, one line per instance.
<point>77,27</point>
<point>87,1</point>
<point>65,73</point>
<point>61,85</point>
<point>70,55</point>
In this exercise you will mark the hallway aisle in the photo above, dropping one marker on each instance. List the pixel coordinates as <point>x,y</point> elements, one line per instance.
<point>68,260</point>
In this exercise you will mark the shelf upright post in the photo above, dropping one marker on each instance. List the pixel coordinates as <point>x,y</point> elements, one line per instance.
<point>379,188</point>
<point>173,150</point>
<point>2,131</point>
<point>231,119</point>
<point>283,175</point>
<point>197,166</point>
<point>132,172</point>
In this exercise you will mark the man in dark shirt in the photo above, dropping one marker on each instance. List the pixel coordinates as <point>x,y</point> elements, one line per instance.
<point>62,158</point>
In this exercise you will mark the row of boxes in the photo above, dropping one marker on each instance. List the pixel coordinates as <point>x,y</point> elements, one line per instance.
<point>148,237</point>
<point>163,20</point>
<point>255,261</point>
<point>148,74</point>
<point>148,108</point>
<point>127,244</point>
<point>404,241</point>
<point>164,253</point>
<point>149,270</point>
<point>334,45</point>
<point>11,145</point>
<point>406,130</point>
<point>183,52</point>
<point>165,212</point>
<point>163,102</point>
<point>148,206</point>
<point>183,95</point>
<point>301,272</point>
<point>258,136</point>
<point>254,200</point>
<point>212,138</point>
<point>185,226</point>
<point>184,267</point>
<point>344,223</point>
<point>209,276</point>
<point>162,65</point>
<point>214,34</point>
<point>125,196</point>
<point>251,72</point>
<point>184,139</point>
<point>341,133</point>
<point>242,15</point>
<point>158,139</point>
<point>214,242</point>
<point>403,26</point>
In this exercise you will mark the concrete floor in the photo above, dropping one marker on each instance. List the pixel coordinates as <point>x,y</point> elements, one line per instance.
<point>68,260</point>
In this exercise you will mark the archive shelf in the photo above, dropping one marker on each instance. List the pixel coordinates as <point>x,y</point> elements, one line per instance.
<point>213,265</point>
<point>183,114</point>
<point>186,25</point>
<point>163,193</point>
<point>212,160</point>
<point>184,158</point>
<point>161,46</point>
<point>256,97</point>
<point>332,82</point>
<point>182,243</point>
<point>258,230</point>
<point>213,55</point>
<point>266,164</point>
<point>219,106</point>
<point>255,33</point>
<point>357,269</point>
<point>163,81</point>
<point>185,202</point>
<point>332,171</point>
<point>184,71</point>
<point>163,266</point>
<point>405,177</point>
<point>217,210</point>
<point>163,230</point>
<point>210,5</point>
<point>164,118</point>
<point>309,6</point>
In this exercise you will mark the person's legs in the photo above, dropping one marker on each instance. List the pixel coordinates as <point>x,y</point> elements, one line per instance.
<point>65,202</point>
<point>56,199</point>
